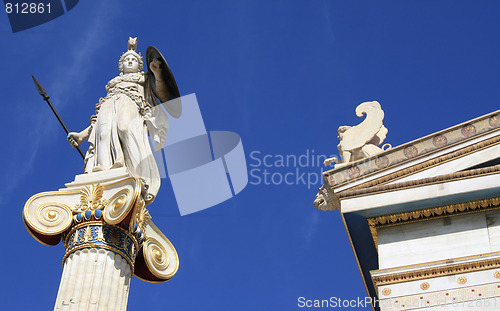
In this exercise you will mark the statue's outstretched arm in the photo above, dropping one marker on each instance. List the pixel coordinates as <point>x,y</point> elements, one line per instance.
<point>75,139</point>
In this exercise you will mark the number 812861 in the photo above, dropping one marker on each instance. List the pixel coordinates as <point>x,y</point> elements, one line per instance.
<point>27,8</point>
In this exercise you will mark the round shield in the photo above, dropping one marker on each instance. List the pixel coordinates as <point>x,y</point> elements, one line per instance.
<point>166,73</point>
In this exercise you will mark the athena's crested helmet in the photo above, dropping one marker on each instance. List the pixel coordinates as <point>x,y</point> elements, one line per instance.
<point>131,50</point>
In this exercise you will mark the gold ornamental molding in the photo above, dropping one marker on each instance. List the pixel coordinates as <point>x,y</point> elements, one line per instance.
<point>424,286</point>
<point>445,270</point>
<point>430,213</point>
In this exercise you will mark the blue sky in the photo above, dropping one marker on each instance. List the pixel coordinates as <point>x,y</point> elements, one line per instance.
<point>283,75</point>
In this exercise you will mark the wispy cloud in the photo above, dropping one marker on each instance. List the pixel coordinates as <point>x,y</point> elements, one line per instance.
<point>85,50</point>
<point>328,19</point>
<point>310,228</point>
<point>21,151</point>
<point>25,143</point>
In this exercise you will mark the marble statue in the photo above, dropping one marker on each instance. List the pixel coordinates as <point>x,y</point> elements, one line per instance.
<point>101,217</point>
<point>361,141</point>
<point>118,133</point>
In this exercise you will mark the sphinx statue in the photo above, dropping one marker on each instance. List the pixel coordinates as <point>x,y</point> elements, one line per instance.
<point>363,140</point>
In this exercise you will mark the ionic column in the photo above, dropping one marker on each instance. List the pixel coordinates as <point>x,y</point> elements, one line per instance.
<point>98,266</point>
<point>106,229</point>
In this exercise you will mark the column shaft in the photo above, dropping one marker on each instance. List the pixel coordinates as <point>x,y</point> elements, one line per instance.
<point>94,279</point>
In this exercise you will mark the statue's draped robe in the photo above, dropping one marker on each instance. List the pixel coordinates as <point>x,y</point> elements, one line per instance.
<point>119,135</point>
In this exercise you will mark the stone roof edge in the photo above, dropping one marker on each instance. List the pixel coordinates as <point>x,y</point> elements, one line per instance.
<point>353,172</point>
<point>420,182</point>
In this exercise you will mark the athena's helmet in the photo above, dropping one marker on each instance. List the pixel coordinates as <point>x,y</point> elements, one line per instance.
<point>131,50</point>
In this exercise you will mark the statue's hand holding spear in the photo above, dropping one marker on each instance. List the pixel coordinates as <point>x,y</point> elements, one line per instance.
<point>75,139</point>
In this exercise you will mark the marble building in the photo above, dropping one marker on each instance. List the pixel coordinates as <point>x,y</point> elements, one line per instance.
<point>423,218</point>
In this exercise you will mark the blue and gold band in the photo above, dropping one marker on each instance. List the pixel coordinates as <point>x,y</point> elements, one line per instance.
<point>98,235</point>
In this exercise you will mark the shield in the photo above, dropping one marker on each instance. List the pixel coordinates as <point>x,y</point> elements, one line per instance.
<point>168,77</point>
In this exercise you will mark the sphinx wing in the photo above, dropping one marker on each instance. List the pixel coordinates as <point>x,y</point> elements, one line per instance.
<point>357,136</point>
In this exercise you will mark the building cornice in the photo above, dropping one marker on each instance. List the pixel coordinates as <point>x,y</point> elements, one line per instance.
<point>420,182</point>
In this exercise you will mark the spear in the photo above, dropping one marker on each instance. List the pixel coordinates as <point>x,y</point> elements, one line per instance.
<point>43,93</point>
